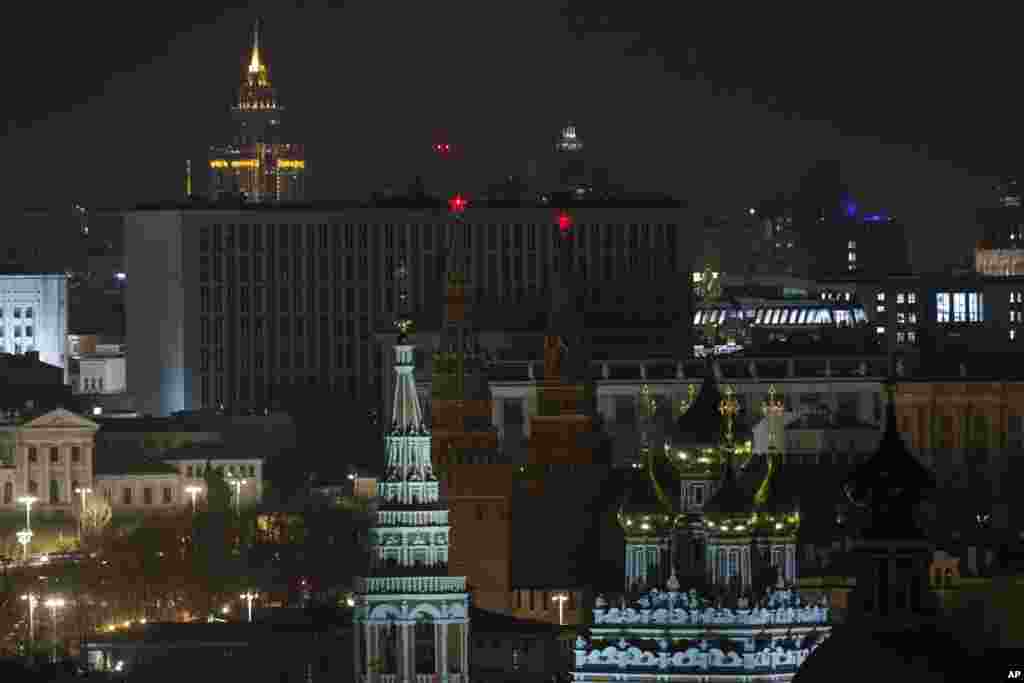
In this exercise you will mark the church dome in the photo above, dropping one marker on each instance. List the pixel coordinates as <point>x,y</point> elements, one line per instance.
<point>731,509</point>
<point>701,424</point>
<point>648,502</point>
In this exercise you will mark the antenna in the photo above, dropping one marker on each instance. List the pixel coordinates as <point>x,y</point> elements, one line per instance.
<point>188,178</point>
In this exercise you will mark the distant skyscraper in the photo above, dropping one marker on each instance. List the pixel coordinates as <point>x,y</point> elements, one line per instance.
<point>258,164</point>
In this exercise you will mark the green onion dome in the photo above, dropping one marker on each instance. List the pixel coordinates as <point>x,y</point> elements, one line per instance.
<point>731,510</point>
<point>648,504</point>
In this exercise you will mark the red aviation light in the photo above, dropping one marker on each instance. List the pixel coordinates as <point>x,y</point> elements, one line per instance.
<point>443,148</point>
<point>564,223</point>
<point>457,204</point>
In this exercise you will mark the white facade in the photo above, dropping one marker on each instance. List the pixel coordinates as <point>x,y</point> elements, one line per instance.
<point>247,471</point>
<point>34,315</point>
<point>154,492</point>
<point>101,375</point>
<point>53,455</point>
<point>412,619</point>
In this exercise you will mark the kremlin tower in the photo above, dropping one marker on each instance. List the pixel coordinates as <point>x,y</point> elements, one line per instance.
<point>411,618</point>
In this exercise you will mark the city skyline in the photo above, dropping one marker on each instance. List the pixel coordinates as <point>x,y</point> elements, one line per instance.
<point>370,97</point>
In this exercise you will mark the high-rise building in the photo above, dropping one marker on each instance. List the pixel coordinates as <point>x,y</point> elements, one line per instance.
<point>258,164</point>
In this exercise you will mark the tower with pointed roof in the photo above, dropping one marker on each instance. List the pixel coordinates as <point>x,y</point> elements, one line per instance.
<point>460,395</point>
<point>696,454</point>
<point>892,624</point>
<point>412,617</point>
<point>259,165</point>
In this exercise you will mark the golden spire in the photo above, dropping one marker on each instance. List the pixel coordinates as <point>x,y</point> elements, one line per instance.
<point>257,69</point>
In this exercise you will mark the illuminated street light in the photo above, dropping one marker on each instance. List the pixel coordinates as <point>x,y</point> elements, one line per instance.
<point>238,484</point>
<point>24,538</point>
<point>54,604</point>
<point>560,599</point>
<point>32,600</point>
<point>193,491</point>
<point>28,502</point>
<point>249,596</point>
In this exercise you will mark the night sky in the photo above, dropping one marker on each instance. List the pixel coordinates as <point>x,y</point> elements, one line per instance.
<point>105,106</point>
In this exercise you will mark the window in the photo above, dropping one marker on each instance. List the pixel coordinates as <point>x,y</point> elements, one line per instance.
<point>17,330</point>
<point>911,337</point>
<point>880,308</point>
<point>942,308</point>
<point>54,455</point>
<point>147,495</point>
<point>900,298</point>
<point>479,512</point>
<point>1013,334</point>
<point>126,496</point>
<point>28,331</point>
<point>28,312</point>
<point>54,492</point>
<point>17,312</point>
<point>76,454</point>
<point>8,493</point>
<point>879,330</point>
<point>698,495</point>
<point>33,487</point>
<point>880,297</point>
<point>33,455</point>
<point>901,318</point>
<point>911,297</point>
<point>912,318</point>
<point>901,337</point>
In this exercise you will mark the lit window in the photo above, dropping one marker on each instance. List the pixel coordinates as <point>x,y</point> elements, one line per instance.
<point>852,257</point>
<point>880,308</point>
<point>911,298</point>
<point>851,245</point>
<point>1013,334</point>
<point>901,318</point>
<point>912,318</point>
<point>911,337</point>
<point>901,337</point>
<point>803,316</point>
<point>880,296</point>
<point>942,307</point>
<point>879,330</point>
<point>759,318</point>
<point>899,298</point>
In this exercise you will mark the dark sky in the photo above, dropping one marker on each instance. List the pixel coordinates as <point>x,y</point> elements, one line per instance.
<point>722,114</point>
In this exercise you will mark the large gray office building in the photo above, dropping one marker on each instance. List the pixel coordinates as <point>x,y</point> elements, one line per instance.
<point>228,305</point>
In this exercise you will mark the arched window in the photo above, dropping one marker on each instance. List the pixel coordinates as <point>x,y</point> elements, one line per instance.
<point>425,646</point>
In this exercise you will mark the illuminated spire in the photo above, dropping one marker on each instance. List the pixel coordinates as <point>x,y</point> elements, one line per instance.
<point>404,321</point>
<point>257,69</point>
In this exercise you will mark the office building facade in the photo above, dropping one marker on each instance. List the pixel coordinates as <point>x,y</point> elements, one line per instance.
<point>227,305</point>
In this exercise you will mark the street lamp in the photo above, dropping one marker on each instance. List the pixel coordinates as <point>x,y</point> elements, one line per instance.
<point>193,491</point>
<point>28,501</point>
<point>82,491</point>
<point>24,538</point>
<point>238,484</point>
<point>54,604</point>
<point>32,600</point>
<point>249,596</point>
<point>560,599</point>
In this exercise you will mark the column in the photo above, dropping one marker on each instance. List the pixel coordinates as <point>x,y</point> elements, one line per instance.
<point>441,649</point>
<point>498,416</point>
<point>359,632</point>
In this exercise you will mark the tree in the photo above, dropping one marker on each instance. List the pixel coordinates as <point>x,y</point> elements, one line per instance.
<point>94,517</point>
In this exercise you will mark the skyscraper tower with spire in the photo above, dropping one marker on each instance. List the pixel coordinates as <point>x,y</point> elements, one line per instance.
<point>258,164</point>
<point>411,618</point>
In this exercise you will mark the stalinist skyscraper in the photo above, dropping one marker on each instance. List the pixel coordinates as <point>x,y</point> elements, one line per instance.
<point>411,617</point>
<point>258,164</point>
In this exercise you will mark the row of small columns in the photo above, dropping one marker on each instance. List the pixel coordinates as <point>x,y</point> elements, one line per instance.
<point>405,656</point>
